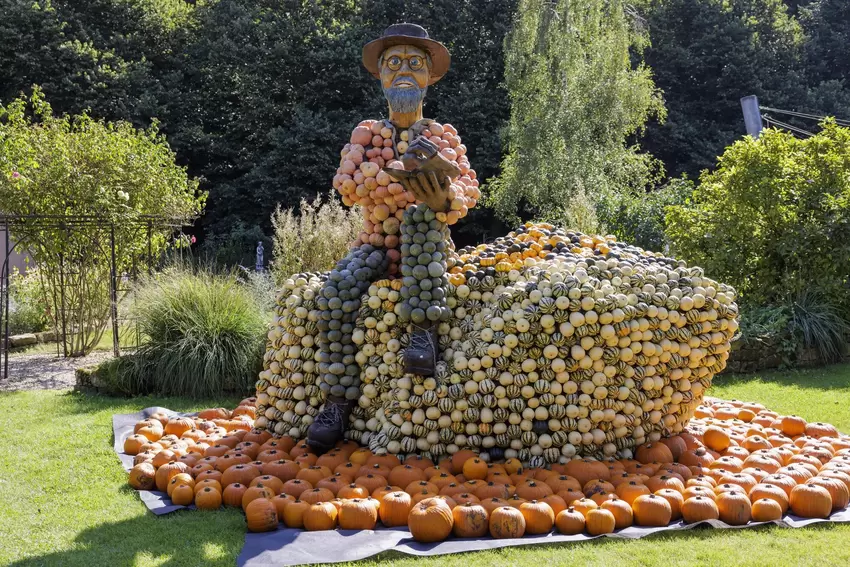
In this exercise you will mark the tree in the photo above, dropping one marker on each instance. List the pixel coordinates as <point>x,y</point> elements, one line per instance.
<point>705,56</point>
<point>81,167</point>
<point>575,97</point>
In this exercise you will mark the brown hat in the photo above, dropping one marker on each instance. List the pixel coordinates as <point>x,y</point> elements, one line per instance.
<point>407,34</point>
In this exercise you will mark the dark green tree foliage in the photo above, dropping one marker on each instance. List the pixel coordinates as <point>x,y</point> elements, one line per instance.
<point>705,56</point>
<point>97,55</point>
<point>827,56</point>
<point>273,89</point>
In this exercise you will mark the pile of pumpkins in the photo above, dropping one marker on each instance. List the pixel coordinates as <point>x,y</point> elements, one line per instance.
<point>552,344</point>
<point>736,462</point>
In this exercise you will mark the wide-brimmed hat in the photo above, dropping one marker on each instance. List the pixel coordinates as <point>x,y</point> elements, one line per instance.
<point>407,34</point>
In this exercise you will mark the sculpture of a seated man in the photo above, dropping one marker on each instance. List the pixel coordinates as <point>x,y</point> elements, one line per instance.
<point>544,345</point>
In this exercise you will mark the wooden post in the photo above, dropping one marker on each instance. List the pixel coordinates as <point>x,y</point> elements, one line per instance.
<point>752,115</point>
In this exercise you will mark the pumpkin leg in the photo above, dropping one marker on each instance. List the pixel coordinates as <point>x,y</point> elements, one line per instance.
<point>339,374</point>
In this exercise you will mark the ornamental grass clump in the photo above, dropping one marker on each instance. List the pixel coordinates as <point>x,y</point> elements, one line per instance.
<point>205,333</point>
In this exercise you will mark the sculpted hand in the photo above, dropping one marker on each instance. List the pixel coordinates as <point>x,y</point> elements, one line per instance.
<point>429,174</point>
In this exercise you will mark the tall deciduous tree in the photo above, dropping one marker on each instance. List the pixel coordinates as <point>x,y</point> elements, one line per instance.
<point>576,97</point>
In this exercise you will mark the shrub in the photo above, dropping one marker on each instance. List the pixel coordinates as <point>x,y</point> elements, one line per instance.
<point>772,219</point>
<point>638,216</point>
<point>810,321</point>
<point>29,310</point>
<point>313,238</point>
<point>205,331</point>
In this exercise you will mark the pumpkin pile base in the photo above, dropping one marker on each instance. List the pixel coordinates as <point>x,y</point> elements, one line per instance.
<point>737,465</point>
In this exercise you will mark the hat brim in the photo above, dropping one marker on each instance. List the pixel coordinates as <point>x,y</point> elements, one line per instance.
<point>440,58</point>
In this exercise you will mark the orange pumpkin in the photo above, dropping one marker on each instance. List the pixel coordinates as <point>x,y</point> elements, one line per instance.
<point>293,514</point>
<point>507,522</point>
<point>475,469</point>
<point>810,501</point>
<point>570,521</point>
<point>166,471</point>
<point>533,490</point>
<point>584,505</point>
<point>317,495</point>
<point>431,520</point>
<point>792,425</point>
<point>178,426</point>
<point>654,452</point>
<point>699,508</point>
<point>491,504</point>
<point>459,459</point>
<point>623,515</point>
<point>470,520</point>
<point>296,487</point>
<point>395,508</point>
<point>676,444</point>
<point>771,492</point>
<point>143,477</point>
<point>183,495</point>
<point>675,499</point>
<point>208,498</point>
<point>715,438</point>
<point>254,492</point>
<point>600,521</point>
<point>404,475</point>
<point>734,507</point>
<point>357,514</point>
<point>280,502</point>
<point>539,517</point>
<point>180,479</point>
<point>261,515</point>
<point>837,490</point>
<point>651,510</point>
<point>320,516</point>
<point>766,510</point>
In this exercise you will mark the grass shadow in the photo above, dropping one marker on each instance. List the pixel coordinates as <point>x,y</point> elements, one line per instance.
<point>181,539</point>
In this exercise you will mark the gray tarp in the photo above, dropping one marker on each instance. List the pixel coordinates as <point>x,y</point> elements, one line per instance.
<point>297,547</point>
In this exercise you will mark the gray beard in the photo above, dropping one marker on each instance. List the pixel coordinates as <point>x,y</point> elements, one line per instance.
<point>404,101</point>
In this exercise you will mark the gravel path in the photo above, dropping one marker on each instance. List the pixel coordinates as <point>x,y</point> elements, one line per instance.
<point>45,371</point>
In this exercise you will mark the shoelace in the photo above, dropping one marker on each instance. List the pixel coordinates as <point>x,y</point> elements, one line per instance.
<point>331,415</point>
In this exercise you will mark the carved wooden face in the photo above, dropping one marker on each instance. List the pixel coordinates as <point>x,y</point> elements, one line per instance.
<point>404,77</point>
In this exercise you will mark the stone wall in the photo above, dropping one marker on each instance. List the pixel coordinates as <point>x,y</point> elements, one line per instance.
<point>753,355</point>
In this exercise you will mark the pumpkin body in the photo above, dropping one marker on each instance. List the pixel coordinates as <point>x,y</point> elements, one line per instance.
<point>320,516</point>
<point>698,509</point>
<point>143,477</point>
<point>539,517</point>
<point>208,499</point>
<point>357,514</point>
<point>810,501</point>
<point>600,521</point>
<point>570,521</point>
<point>734,507</point>
<point>651,510</point>
<point>431,520</point>
<point>183,495</point>
<point>293,514</point>
<point>507,522</point>
<point>395,508</point>
<point>470,520</point>
<point>766,510</point>
<point>232,494</point>
<point>261,515</point>
<point>623,515</point>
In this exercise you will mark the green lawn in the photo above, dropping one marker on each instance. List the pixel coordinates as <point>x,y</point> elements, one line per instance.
<point>64,499</point>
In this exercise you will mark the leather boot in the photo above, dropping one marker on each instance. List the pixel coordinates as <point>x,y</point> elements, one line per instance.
<point>421,356</point>
<point>329,427</point>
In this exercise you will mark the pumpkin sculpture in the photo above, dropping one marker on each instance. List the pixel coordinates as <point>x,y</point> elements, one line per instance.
<point>445,348</point>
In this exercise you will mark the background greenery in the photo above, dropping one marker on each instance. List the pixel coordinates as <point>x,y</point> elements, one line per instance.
<point>81,512</point>
<point>257,96</point>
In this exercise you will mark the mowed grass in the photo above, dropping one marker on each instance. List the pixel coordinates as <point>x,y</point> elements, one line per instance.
<point>64,499</point>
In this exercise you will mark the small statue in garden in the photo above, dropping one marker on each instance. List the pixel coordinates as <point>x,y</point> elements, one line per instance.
<point>543,345</point>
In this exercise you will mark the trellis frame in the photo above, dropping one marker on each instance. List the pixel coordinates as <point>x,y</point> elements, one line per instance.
<point>19,225</point>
